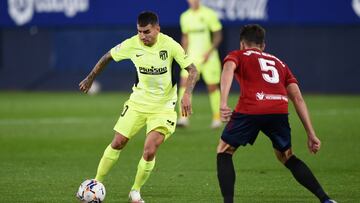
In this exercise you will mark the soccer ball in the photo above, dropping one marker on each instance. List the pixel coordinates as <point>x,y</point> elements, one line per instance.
<point>91,191</point>
<point>95,88</point>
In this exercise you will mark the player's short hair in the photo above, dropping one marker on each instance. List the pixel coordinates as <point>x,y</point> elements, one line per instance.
<point>147,17</point>
<point>252,33</point>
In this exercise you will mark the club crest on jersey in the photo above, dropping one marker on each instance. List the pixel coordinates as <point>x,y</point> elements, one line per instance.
<point>163,54</point>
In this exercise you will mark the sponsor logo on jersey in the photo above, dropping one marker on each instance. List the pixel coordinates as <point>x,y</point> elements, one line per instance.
<point>262,96</point>
<point>22,11</point>
<point>152,70</point>
<point>163,54</point>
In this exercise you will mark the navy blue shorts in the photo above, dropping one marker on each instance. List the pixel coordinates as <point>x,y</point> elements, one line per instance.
<point>243,129</point>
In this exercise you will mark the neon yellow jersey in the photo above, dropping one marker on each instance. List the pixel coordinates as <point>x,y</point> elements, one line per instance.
<point>154,89</point>
<point>198,25</point>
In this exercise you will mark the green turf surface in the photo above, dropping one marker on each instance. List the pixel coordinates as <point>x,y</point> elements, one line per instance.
<point>51,142</point>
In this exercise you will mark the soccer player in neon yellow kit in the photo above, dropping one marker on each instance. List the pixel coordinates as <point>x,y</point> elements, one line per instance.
<point>153,100</point>
<point>198,23</point>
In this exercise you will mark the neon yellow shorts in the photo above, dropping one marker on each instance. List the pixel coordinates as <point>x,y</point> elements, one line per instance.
<point>209,71</point>
<point>131,121</point>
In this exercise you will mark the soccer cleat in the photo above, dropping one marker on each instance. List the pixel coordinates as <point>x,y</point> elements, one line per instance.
<point>216,124</point>
<point>330,201</point>
<point>182,122</point>
<point>135,197</point>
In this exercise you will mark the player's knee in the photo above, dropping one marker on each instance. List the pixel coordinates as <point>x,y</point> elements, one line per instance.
<point>149,153</point>
<point>283,156</point>
<point>119,141</point>
<point>225,149</point>
<point>212,88</point>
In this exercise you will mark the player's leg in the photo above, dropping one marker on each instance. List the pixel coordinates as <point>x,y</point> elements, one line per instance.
<point>147,161</point>
<point>146,164</point>
<point>128,124</point>
<point>214,96</point>
<point>159,128</point>
<point>211,73</point>
<point>240,130</point>
<point>277,128</point>
<point>110,156</point>
<point>225,170</point>
<point>302,173</point>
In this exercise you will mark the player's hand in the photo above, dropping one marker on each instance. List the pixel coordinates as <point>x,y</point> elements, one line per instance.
<point>85,85</point>
<point>225,113</point>
<point>186,105</point>
<point>206,56</point>
<point>314,144</point>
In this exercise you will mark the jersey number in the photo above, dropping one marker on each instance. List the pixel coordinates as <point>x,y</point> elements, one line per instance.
<point>266,66</point>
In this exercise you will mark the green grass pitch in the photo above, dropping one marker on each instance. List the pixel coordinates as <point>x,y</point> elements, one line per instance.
<point>51,142</point>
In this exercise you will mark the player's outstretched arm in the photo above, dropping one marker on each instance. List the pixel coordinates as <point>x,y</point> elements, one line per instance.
<point>100,65</point>
<point>225,85</point>
<point>295,95</point>
<point>190,84</point>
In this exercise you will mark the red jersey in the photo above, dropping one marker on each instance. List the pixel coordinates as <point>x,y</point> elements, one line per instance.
<point>263,79</point>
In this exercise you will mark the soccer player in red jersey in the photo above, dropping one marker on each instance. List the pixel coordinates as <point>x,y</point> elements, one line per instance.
<point>266,83</point>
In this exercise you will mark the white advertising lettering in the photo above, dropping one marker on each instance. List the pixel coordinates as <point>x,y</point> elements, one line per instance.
<point>239,9</point>
<point>22,11</point>
<point>356,7</point>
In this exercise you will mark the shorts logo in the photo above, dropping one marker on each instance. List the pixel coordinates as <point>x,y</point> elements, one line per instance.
<point>170,122</point>
<point>163,55</point>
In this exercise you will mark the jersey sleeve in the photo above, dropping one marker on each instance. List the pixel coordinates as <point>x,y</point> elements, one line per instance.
<point>290,78</point>
<point>121,51</point>
<point>180,56</point>
<point>183,24</point>
<point>232,56</point>
<point>213,21</point>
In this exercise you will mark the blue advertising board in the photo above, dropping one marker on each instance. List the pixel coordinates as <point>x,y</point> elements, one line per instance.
<point>15,13</point>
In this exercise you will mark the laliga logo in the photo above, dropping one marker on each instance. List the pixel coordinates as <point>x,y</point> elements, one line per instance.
<point>356,6</point>
<point>22,11</point>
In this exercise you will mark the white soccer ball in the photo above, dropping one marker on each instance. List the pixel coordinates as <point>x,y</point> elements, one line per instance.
<point>95,88</point>
<point>91,191</point>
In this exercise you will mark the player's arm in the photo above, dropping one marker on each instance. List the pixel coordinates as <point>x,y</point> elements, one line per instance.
<point>190,84</point>
<point>295,95</point>
<point>184,41</point>
<point>216,40</point>
<point>225,85</point>
<point>100,65</point>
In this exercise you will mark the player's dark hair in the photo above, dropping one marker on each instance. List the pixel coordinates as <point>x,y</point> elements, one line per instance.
<point>252,33</point>
<point>147,17</point>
